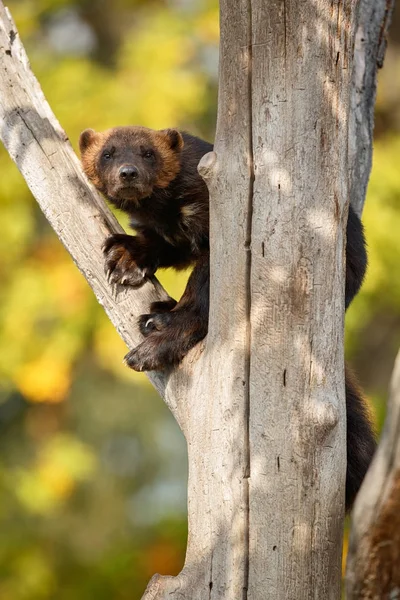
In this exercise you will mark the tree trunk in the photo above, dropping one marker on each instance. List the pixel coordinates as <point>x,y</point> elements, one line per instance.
<point>262,407</point>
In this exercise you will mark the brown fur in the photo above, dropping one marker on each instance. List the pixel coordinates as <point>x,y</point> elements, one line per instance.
<point>92,143</point>
<point>171,163</point>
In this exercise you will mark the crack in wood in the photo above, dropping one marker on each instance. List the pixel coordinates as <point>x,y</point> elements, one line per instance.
<point>249,226</point>
<point>382,42</point>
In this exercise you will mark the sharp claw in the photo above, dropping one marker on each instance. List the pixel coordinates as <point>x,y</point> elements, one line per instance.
<point>133,279</point>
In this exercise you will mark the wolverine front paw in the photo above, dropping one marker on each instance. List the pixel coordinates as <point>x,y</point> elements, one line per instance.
<point>120,265</point>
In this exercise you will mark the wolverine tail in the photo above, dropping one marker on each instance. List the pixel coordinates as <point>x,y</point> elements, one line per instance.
<point>361,443</point>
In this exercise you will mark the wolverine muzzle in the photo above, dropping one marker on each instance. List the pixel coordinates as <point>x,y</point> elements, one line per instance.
<point>128,173</point>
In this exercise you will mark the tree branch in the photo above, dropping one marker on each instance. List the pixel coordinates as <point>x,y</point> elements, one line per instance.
<point>374,554</point>
<point>79,216</point>
<point>373,20</point>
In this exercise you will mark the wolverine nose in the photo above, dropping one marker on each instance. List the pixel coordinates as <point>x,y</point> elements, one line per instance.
<point>128,173</point>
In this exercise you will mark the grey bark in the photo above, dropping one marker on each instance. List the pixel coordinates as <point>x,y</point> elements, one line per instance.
<point>373,21</point>
<point>262,403</point>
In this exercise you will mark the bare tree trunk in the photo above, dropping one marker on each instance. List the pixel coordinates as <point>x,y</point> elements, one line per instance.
<point>262,408</point>
<point>373,569</point>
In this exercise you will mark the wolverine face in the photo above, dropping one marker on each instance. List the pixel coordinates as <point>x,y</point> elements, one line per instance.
<point>127,163</point>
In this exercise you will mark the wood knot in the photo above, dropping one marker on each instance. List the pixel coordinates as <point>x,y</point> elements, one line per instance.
<point>207,164</point>
<point>326,419</point>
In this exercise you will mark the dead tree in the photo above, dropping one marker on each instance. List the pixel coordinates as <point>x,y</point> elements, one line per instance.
<point>262,406</point>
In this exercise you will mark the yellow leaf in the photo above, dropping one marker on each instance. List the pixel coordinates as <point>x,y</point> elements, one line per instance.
<point>46,379</point>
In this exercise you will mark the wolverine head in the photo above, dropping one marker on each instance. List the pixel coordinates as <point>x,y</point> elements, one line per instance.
<point>127,163</point>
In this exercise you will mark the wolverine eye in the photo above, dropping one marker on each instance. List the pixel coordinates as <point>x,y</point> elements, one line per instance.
<point>148,154</point>
<point>107,155</point>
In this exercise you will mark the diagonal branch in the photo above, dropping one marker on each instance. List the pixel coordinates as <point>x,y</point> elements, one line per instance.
<point>41,150</point>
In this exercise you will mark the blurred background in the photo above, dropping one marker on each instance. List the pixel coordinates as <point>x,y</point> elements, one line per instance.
<point>92,465</point>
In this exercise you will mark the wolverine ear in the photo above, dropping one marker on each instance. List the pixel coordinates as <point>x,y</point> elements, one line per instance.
<point>86,139</point>
<point>175,139</point>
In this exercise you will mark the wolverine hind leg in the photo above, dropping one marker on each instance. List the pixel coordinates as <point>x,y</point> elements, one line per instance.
<point>163,306</point>
<point>170,335</point>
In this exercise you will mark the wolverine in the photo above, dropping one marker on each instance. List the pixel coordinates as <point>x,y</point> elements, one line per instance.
<point>152,176</point>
